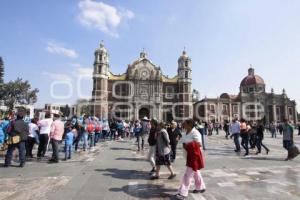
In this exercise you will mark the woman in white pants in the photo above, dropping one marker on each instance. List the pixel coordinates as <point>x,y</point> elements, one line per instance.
<point>195,161</point>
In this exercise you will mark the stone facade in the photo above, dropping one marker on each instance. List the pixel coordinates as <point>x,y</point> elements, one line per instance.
<point>252,103</point>
<point>142,91</point>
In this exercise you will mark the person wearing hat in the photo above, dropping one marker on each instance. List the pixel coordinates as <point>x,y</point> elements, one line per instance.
<point>18,133</point>
<point>44,127</point>
<point>144,132</point>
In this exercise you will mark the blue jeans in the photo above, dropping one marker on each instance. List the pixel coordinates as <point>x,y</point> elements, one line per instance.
<point>91,139</point>
<point>1,138</point>
<point>236,140</point>
<point>68,151</point>
<point>85,140</point>
<point>113,134</point>
<point>273,134</point>
<point>140,137</point>
<point>97,137</point>
<point>55,149</point>
<point>202,132</point>
<point>287,144</point>
<point>245,142</point>
<point>22,151</point>
<point>104,134</point>
<point>259,144</point>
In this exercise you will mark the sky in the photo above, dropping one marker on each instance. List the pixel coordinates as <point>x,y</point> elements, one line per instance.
<point>51,43</point>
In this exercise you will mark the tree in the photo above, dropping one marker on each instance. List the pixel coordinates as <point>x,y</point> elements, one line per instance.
<point>1,71</point>
<point>17,92</point>
<point>83,106</point>
<point>66,111</point>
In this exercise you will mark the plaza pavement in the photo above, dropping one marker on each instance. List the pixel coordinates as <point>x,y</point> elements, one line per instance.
<point>116,171</point>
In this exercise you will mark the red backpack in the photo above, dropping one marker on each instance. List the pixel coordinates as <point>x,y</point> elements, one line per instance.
<point>90,127</point>
<point>98,128</point>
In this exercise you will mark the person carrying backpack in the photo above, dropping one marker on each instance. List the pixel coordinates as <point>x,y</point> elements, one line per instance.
<point>18,132</point>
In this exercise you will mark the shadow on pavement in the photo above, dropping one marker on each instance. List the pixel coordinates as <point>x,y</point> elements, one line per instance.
<point>123,173</point>
<point>263,158</point>
<point>146,191</point>
<point>120,149</point>
<point>132,159</point>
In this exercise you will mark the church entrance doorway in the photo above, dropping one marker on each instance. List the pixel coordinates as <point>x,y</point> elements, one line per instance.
<point>144,112</point>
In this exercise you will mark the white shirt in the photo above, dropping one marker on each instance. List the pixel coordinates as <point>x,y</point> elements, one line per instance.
<point>32,130</point>
<point>194,135</point>
<point>45,126</point>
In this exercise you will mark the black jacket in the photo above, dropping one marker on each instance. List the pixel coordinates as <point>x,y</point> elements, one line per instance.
<point>173,135</point>
<point>260,131</point>
<point>19,127</point>
<point>151,138</point>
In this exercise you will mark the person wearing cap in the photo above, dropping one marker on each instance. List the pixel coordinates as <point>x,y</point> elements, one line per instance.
<point>18,129</point>
<point>56,134</point>
<point>44,127</point>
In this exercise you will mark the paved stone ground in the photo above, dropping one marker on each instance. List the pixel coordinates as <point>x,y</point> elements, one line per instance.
<point>115,170</point>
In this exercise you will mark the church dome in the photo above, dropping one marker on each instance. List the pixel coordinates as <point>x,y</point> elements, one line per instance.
<point>183,56</point>
<point>102,48</point>
<point>252,79</point>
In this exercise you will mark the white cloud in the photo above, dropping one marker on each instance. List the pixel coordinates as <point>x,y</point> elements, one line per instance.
<point>87,72</point>
<point>83,72</point>
<point>57,76</point>
<point>56,48</point>
<point>101,16</point>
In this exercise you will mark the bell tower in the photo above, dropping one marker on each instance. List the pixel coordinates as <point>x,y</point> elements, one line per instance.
<point>185,86</point>
<point>99,105</point>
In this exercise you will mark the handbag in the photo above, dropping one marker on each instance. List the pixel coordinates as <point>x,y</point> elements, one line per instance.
<point>14,139</point>
<point>293,151</point>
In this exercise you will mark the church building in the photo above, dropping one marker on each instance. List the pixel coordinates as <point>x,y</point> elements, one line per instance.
<point>142,91</point>
<point>252,103</point>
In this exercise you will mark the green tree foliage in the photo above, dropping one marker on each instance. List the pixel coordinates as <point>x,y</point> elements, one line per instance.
<point>17,92</point>
<point>66,111</point>
<point>84,106</point>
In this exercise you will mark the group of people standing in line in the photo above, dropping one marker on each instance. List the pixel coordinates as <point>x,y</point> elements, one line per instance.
<point>21,135</point>
<point>17,133</point>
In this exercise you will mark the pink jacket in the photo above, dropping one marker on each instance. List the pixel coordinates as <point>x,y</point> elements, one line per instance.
<point>57,130</point>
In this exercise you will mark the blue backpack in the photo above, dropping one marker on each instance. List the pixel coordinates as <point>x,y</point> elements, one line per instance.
<point>1,135</point>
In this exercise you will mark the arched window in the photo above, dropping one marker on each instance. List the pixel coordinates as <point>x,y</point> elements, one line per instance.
<point>99,69</point>
<point>186,75</point>
<point>186,63</point>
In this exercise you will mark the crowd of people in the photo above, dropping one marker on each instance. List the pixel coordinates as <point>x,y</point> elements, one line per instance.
<point>253,134</point>
<point>83,133</point>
